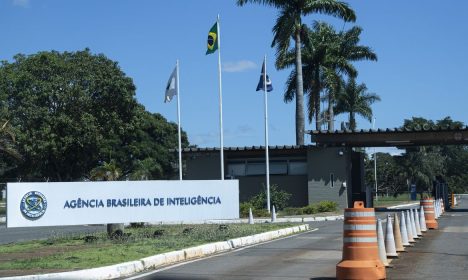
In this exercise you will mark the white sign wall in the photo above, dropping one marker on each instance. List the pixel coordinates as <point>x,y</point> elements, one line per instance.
<point>77,203</point>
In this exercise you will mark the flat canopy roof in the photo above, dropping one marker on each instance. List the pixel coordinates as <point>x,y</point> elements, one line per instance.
<point>398,137</point>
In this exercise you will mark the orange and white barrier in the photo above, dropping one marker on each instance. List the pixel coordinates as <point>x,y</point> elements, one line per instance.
<point>360,250</point>
<point>429,213</point>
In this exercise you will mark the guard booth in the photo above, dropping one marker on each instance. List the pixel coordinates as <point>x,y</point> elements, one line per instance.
<point>440,190</point>
<point>398,137</point>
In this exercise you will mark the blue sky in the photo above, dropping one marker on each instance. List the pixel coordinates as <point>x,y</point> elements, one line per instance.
<point>421,46</point>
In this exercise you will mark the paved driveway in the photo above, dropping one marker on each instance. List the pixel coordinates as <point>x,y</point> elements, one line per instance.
<point>312,255</point>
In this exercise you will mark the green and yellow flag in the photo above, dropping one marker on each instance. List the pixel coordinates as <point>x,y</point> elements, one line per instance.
<point>212,39</point>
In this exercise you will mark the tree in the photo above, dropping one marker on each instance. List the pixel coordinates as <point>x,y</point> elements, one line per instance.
<point>80,110</point>
<point>77,108</point>
<point>289,25</point>
<point>7,141</point>
<point>327,58</point>
<point>9,155</point>
<point>391,176</point>
<point>152,148</point>
<point>354,99</point>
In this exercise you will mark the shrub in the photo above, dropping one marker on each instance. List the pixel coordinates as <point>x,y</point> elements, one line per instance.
<point>260,212</point>
<point>327,206</point>
<point>244,209</point>
<point>310,209</point>
<point>278,198</point>
<point>293,211</point>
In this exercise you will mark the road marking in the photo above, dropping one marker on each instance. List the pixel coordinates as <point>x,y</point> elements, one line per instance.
<point>453,229</point>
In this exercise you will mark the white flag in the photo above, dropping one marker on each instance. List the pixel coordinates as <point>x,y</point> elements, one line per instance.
<point>171,88</point>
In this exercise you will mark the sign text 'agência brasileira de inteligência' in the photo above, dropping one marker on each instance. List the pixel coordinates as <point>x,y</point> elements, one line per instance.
<point>141,202</point>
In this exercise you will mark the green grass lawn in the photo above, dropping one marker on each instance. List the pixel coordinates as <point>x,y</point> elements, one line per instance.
<point>384,201</point>
<point>88,251</point>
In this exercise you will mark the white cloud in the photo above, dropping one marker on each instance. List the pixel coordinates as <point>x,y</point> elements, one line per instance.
<point>239,66</point>
<point>22,3</point>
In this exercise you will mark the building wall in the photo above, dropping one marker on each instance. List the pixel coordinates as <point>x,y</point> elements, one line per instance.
<point>306,189</point>
<point>321,162</point>
<point>293,184</point>
<point>203,166</point>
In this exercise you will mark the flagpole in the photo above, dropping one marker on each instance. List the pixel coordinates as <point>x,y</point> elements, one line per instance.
<point>220,101</point>
<point>178,121</point>
<point>267,157</point>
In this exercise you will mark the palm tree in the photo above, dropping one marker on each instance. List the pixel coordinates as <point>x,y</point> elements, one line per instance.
<point>354,99</point>
<point>328,56</point>
<point>146,169</point>
<point>108,171</point>
<point>347,51</point>
<point>289,25</point>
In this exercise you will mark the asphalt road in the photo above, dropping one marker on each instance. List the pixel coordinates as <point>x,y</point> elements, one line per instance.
<point>311,255</point>
<point>441,254</point>
<point>11,235</point>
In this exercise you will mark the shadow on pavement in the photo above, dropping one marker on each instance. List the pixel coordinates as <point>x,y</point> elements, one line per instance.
<point>458,210</point>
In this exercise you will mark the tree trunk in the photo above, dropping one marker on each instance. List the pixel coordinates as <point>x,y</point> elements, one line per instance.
<point>115,230</point>
<point>316,96</point>
<point>330,114</point>
<point>299,93</point>
<point>352,121</point>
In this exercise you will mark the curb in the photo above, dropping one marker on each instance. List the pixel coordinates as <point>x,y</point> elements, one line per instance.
<point>258,220</point>
<point>133,267</point>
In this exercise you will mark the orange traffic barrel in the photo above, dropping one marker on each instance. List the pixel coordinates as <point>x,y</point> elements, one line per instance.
<point>360,248</point>
<point>429,214</point>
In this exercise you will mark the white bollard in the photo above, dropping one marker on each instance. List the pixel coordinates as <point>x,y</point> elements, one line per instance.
<point>409,228</point>
<point>381,243</point>
<point>422,219</point>
<point>390,246</point>
<point>404,231</point>
<point>251,220</point>
<point>416,221</point>
<point>413,225</point>
<point>273,215</point>
<point>397,234</point>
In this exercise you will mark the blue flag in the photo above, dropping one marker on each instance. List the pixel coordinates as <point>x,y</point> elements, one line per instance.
<point>260,85</point>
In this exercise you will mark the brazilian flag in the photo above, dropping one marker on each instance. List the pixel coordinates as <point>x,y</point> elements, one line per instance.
<point>212,39</point>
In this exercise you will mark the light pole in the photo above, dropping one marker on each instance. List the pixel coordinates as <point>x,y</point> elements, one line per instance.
<point>375,167</point>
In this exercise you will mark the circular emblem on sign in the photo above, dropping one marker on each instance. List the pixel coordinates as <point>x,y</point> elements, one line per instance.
<point>33,205</point>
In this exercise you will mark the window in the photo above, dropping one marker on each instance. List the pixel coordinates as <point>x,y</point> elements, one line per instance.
<point>236,169</point>
<point>332,180</point>
<point>297,168</point>
<point>279,167</point>
<point>256,168</point>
